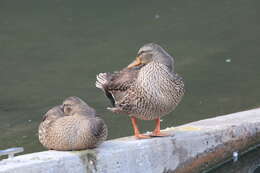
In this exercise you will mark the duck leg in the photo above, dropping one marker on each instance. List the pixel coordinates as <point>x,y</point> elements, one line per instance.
<point>157,130</point>
<point>136,130</point>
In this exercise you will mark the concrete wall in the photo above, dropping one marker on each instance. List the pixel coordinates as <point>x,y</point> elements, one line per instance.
<point>190,148</point>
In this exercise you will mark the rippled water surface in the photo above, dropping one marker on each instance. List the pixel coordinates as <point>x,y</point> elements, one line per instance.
<point>53,49</point>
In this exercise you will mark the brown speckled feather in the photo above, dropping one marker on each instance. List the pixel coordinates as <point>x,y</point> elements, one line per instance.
<point>117,83</point>
<point>80,129</point>
<point>147,92</point>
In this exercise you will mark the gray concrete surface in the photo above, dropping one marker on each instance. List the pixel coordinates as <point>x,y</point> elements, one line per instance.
<point>190,148</point>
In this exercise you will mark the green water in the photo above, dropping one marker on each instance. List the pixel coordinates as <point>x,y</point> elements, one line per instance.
<point>53,49</point>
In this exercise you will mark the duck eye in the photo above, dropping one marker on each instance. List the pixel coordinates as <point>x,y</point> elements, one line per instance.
<point>68,110</point>
<point>66,105</point>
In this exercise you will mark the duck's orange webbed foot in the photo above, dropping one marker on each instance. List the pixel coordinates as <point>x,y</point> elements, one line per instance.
<point>157,132</point>
<point>136,130</point>
<point>140,136</point>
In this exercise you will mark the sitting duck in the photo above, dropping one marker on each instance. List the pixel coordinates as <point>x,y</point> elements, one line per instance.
<point>72,126</point>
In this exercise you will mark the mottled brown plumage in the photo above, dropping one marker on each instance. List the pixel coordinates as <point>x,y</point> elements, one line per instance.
<point>148,88</point>
<point>72,126</point>
<point>117,83</point>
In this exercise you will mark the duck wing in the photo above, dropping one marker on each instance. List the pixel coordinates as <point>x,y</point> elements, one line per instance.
<point>115,85</point>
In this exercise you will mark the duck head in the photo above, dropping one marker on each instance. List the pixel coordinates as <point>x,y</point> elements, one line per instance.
<point>152,52</point>
<point>73,105</point>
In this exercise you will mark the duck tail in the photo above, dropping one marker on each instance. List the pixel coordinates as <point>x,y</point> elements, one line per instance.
<point>102,80</point>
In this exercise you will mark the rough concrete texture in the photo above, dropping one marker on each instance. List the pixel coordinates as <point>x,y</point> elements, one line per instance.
<point>190,148</point>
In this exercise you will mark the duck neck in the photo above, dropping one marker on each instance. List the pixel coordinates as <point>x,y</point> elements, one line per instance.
<point>165,59</point>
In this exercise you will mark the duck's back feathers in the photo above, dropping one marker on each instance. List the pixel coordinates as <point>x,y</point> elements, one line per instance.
<point>48,119</point>
<point>99,129</point>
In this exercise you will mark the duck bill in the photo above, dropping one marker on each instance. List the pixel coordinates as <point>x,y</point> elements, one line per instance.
<point>136,62</point>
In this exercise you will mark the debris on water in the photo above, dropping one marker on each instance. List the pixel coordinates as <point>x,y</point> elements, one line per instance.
<point>157,16</point>
<point>235,156</point>
<point>228,60</point>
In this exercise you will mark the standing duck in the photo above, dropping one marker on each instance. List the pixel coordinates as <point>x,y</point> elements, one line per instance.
<point>146,89</point>
<point>72,126</point>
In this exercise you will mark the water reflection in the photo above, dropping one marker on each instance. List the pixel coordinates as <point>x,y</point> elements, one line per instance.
<point>50,50</point>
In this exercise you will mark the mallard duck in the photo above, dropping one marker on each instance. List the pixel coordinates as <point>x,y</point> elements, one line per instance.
<point>146,89</point>
<point>72,126</point>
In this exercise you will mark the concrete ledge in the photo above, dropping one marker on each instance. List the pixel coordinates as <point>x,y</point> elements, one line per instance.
<point>191,148</point>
